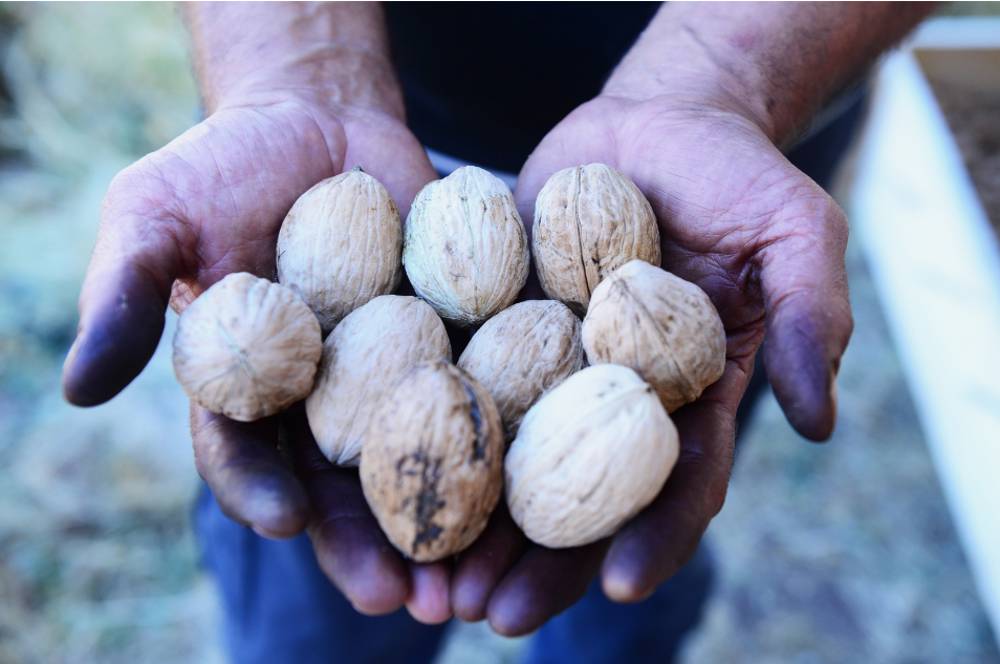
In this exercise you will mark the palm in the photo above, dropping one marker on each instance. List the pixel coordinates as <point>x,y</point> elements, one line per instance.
<point>766,244</point>
<point>208,204</point>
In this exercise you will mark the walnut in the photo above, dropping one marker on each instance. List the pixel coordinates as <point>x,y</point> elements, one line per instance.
<point>340,245</point>
<point>522,352</point>
<point>465,248</point>
<point>432,465</point>
<point>589,220</point>
<point>663,327</point>
<point>365,355</point>
<point>588,457</point>
<point>247,348</point>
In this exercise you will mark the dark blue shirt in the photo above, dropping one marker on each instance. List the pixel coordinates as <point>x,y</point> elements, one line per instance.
<point>486,81</point>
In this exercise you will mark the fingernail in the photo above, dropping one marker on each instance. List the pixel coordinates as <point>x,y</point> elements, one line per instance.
<point>264,532</point>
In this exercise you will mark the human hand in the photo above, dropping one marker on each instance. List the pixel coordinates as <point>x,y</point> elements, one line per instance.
<point>767,244</point>
<point>211,203</point>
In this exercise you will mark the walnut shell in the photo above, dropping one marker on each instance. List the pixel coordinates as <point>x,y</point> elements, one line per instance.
<point>247,348</point>
<point>662,326</point>
<point>340,245</point>
<point>465,248</point>
<point>432,467</point>
<point>521,353</point>
<point>589,220</point>
<point>588,457</point>
<point>371,349</point>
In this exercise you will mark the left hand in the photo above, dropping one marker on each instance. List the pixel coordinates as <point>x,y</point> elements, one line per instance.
<point>767,245</point>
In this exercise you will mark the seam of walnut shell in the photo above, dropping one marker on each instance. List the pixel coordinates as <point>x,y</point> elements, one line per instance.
<point>465,249</point>
<point>589,220</point>
<point>432,465</point>
<point>247,348</point>
<point>340,245</point>
<point>368,351</point>
<point>663,327</point>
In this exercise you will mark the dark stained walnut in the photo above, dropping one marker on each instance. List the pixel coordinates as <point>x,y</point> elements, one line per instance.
<point>432,463</point>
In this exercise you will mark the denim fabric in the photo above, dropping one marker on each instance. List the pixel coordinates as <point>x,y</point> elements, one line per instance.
<point>279,607</point>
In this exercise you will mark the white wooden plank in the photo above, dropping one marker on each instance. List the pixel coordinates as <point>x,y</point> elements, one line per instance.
<point>937,266</point>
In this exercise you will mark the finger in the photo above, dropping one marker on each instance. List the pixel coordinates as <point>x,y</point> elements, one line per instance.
<point>663,537</point>
<point>125,292</point>
<point>544,582</point>
<point>350,548</point>
<point>251,481</point>
<point>482,566</point>
<point>808,314</point>
<point>428,601</point>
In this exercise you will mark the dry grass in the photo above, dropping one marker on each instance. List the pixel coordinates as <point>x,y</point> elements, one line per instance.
<point>97,562</point>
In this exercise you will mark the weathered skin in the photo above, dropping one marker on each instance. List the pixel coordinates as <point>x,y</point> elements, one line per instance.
<point>589,220</point>
<point>340,245</point>
<point>247,348</point>
<point>465,248</point>
<point>663,327</point>
<point>588,457</point>
<point>521,353</point>
<point>365,355</point>
<point>432,467</point>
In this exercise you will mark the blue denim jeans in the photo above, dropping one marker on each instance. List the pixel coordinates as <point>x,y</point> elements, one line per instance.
<point>279,607</point>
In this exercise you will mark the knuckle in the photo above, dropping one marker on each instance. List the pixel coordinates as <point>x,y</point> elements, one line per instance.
<point>141,189</point>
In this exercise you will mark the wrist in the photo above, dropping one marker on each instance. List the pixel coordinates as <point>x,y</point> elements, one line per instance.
<point>340,80</point>
<point>334,55</point>
<point>678,70</point>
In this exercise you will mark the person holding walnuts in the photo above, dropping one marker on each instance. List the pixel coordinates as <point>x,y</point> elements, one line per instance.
<point>706,108</point>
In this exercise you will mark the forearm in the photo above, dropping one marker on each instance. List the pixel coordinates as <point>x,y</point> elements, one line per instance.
<point>334,53</point>
<point>778,62</point>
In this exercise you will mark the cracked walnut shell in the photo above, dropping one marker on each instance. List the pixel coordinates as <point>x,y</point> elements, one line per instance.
<point>247,348</point>
<point>371,349</point>
<point>663,327</point>
<point>465,249</point>
<point>340,245</point>
<point>521,353</point>
<point>588,457</point>
<point>432,466</point>
<point>589,220</point>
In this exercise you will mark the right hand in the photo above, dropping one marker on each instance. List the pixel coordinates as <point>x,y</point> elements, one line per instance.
<point>211,203</point>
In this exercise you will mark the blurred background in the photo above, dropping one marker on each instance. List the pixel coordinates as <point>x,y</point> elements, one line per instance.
<point>830,553</point>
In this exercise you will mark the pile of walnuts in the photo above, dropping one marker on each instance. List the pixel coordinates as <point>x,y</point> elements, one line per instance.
<point>567,418</point>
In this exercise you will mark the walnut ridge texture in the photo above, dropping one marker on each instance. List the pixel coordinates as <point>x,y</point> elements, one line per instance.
<point>588,457</point>
<point>340,245</point>
<point>521,353</point>
<point>465,249</point>
<point>589,220</point>
<point>663,327</point>
<point>247,348</point>
<point>366,354</point>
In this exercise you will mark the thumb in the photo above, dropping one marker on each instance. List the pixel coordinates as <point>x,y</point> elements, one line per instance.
<point>808,314</point>
<point>127,286</point>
